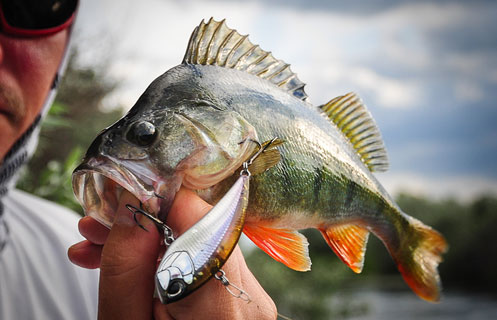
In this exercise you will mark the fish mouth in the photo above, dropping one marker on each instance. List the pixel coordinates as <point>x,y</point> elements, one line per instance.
<point>99,182</point>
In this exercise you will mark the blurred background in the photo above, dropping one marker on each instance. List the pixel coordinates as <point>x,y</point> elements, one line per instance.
<point>427,71</point>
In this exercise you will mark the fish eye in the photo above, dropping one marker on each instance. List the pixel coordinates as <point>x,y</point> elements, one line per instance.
<point>142,133</point>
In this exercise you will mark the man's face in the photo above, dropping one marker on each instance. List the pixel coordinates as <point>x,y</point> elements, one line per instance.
<point>27,70</point>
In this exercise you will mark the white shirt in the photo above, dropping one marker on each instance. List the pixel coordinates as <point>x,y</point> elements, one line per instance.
<point>37,280</point>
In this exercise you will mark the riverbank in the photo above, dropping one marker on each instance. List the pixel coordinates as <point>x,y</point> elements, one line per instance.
<point>396,302</point>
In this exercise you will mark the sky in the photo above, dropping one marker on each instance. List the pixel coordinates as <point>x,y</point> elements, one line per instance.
<point>427,70</point>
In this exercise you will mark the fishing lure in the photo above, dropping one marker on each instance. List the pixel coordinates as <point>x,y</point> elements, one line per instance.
<point>200,252</point>
<point>184,131</point>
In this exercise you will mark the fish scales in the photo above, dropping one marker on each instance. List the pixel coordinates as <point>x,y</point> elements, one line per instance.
<point>313,149</point>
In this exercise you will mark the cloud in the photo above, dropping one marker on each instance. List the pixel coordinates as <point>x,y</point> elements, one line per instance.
<point>468,91</point>
<point>381,91</point>
<point>367,52</point>
<point>423,14</point>
<point>426,69</point>
<point>391,45</point>
<point>389,92</point>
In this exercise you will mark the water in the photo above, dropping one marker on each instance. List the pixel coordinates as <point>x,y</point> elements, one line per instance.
<point>384,305</point>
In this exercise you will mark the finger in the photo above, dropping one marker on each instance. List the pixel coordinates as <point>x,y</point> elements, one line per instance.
<point>128,266</point>
<point>160,311</point>
<point>93,230</point>
<point>187,209</point>
<point>260,306</point>
<point>213,301</point>
<point>85,254</point>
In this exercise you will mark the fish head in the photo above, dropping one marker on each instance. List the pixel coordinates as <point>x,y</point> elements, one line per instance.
<point>173,136</point>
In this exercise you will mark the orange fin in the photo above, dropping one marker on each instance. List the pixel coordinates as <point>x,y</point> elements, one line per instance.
<point>418,261</point>
<point>286,246</point>
<point>348,241</point>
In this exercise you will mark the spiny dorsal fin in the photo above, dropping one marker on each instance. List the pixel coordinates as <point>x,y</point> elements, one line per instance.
<point>357,124</point>
<point>216,44</point>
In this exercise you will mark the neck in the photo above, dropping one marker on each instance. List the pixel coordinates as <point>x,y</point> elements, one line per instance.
<point>15,158</point>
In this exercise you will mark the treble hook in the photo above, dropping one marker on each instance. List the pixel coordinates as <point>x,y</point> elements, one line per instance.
<point>261,148</point>
<point>168,232</point>
<point>134,210</point>
<point>235,291</point>
<point>159,196</point>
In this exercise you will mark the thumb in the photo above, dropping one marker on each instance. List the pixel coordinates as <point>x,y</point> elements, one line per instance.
<point>128,264</point>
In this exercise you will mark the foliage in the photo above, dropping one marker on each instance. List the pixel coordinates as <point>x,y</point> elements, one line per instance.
<point>71,124</point>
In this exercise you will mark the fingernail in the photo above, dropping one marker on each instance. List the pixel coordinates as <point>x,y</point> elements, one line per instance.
<point>80,245</point>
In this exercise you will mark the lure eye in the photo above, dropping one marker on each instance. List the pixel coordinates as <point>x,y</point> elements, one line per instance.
<point>142,133</point>
<point>176,288</point>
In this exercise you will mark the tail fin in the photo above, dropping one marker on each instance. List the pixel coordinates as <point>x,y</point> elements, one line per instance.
<point>418,257</point>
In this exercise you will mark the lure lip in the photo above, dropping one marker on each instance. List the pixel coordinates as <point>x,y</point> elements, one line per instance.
<point>98,183</point>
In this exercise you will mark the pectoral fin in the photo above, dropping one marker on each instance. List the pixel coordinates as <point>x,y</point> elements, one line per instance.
<point>267,159</point>
<point>348,241</point>
<point>286,246</point>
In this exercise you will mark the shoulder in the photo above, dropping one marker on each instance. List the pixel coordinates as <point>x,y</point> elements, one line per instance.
<point>34,262</point>
<point>47,215</point>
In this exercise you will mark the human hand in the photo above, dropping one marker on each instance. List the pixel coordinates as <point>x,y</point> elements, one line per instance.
<point>127,257</point>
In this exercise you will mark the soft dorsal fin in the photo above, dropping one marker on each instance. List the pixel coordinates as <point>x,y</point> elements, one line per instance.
<point>356,123</point>
<point>213,43</point>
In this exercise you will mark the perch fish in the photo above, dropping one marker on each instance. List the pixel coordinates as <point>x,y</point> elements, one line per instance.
<point>193,127</point>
